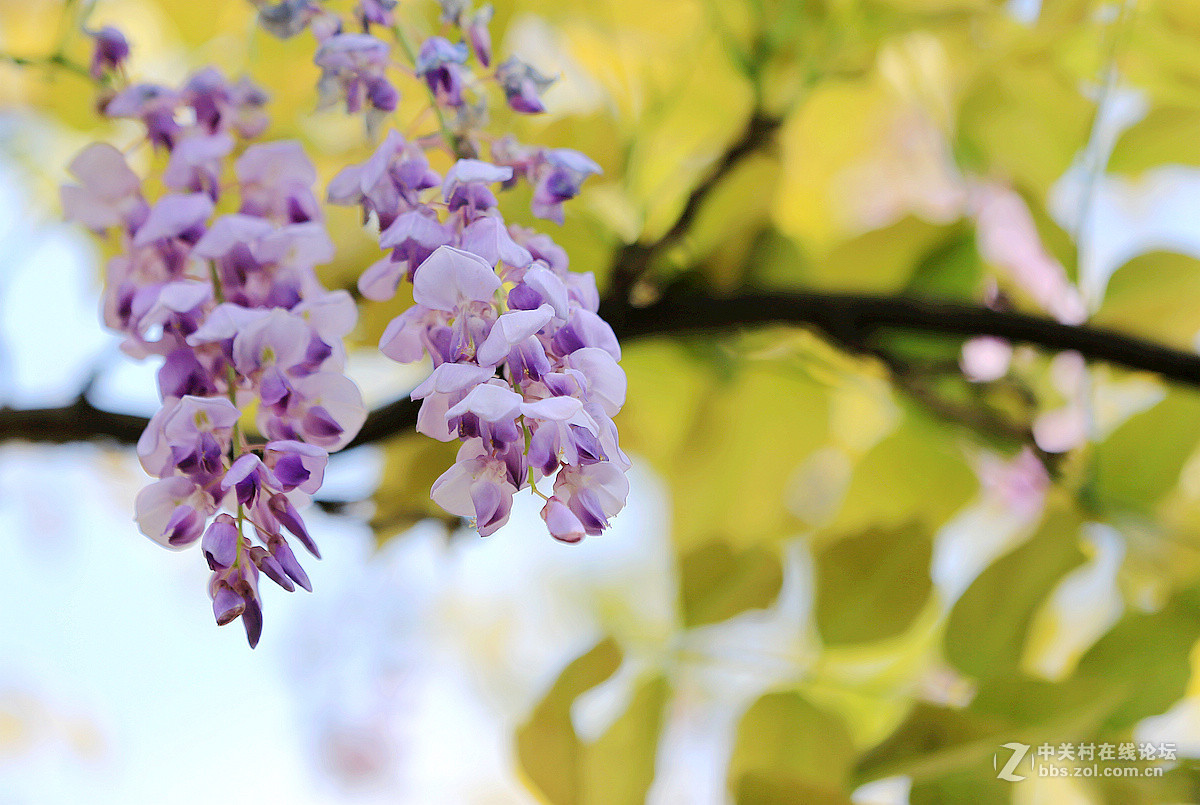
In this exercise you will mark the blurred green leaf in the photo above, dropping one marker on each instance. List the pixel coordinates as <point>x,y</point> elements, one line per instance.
<point>697,420</point>
<point>1166,135</point>
<point>1120,659</point>
<point>717,583</point>
<point>952,270</point>
<point>548,749</point>
<point>619,767</point>
<point>893,483</point>
<point>881,260</point>
<point>872,585</point>
<point>934,745</point>
<point>1026,118</point>
<point>411,464</point>
<point>1135,301</point>
<point>986,629</point>
<point>1140,462</point>
<point>788,750</point>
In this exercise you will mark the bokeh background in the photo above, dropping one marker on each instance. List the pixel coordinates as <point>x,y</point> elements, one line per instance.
<point>845,574</point>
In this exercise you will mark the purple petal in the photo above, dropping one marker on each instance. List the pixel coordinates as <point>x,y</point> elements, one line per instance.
<point>268,565</point>
<point>252,620</point>
<point>278,339</point>
<point>333,315</point>
<point>351,52</point>
<point>586,329</point>
<point>172,216</point>
<point>562,523</point>
<point>451,377</point>
<point>379,282</point>
<point>184,527</point>
<point>491,403</point>
<point>452,277</point>
<point>287,560</point>
<point>282,508</point>
<point>228,231</point>
<point>225,321</point>
<point>417,226</point>
<point>402,339</point>
<point>487,237</point>
<point>297,464</point>
<point>318,422</point>
<point>551,288</point>
<point>552,408</point>
<point>271,163</point>
<point>196,415</point>
<point>227,604</point>
<point>492,505</point>
<point>437,51</point>
<point>220,542</point>
<point>511,329</point>
<point>291,472</point>
<point>606,381</point>
<point>475,170</point>
<point>585,504</point>
<point>479,35</point>
<point>346,186</point>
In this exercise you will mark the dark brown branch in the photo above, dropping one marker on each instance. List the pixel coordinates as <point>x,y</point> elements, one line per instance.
<point>633,260</point>
<point>78,422</point>
<point>851,319</point>
<point>395,417</point>
<point>848,319</point>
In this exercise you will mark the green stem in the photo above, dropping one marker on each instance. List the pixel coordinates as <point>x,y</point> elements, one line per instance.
<point>533,486</point>
<point>53,61</point>
<point>453,141</point>
<point>528,439</point>
<point>235,451</point>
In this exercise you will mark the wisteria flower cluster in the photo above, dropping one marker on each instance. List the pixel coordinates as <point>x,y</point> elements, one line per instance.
<point>234,308</point>
<point>525,373</point>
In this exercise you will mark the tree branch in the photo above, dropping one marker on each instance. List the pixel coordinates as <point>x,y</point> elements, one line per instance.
<point>633,260</point>
<point>852,318</point>
<point>847,319</point>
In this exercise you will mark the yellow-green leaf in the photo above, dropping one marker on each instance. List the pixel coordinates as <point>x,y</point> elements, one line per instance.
<point>872,585</point>
<point>717,583</point>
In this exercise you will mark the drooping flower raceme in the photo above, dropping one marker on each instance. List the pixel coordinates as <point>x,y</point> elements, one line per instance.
<point>525,373</point>
<point>233,307</point>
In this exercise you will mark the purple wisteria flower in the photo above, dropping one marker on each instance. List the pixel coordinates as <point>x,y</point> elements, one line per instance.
<point>287,18</point>
<point>388,183</point>
<point>559,180</point>
<point>556,174</point>
<point>525,373</point>
<point>234,307</point>
<point>479,34</point>
<point>439,64</point>
<point>110,51</point>
<point>217,276</point>
<point>523,85</point>
<point>109,194</point>
<point>352,70</point>
<point>375,12</point>
<point>154,106</point>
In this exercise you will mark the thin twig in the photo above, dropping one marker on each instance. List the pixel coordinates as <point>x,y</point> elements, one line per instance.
<point>633,260</point>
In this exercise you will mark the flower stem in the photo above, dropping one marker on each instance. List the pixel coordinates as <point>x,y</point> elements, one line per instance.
<point>453,141</point>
